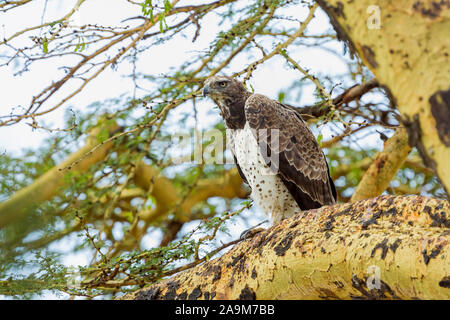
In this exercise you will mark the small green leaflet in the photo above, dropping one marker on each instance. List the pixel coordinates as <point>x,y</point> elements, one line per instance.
<point>147,8</point>
<point>162,23</point>
<point>167,6</point>
<point>45,45</point>
<point>319,139</point>
<point>81,45</point>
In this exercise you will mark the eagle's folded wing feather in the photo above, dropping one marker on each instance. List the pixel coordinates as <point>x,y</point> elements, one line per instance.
<point>301,163</point>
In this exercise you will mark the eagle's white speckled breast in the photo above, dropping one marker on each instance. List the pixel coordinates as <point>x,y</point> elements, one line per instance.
<point>268,191</point>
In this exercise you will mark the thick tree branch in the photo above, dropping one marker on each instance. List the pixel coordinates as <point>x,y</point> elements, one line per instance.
<point>390,247</point>
<point>383,169</point>
<point>351,94</point>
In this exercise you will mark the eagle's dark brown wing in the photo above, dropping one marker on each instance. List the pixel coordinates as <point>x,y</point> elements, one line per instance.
<point>301,163</point>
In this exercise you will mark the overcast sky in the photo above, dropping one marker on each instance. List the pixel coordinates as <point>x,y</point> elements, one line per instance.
<point>19,90</point>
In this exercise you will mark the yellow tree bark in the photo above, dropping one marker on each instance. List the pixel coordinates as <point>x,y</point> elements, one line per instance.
<point>390,247</point>
<point>380,173</point>
<point>405,44</point>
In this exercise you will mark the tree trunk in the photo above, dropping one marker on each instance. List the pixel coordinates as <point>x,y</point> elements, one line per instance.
<point>405,44</point>
<point>390,247</point>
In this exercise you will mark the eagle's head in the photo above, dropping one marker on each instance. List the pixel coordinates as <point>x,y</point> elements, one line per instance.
<point>223,88</point>
<point>230,95</point>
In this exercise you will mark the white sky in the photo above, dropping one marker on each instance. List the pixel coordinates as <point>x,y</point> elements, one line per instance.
<point>19,90</point>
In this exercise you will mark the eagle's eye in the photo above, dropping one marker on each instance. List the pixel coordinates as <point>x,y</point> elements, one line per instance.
<point>222,84</point>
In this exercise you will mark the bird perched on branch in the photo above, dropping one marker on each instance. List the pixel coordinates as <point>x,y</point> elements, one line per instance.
<point>274,150</point>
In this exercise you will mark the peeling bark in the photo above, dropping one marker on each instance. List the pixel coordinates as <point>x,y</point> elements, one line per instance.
<point>409,55</point>
<point>334,252</point>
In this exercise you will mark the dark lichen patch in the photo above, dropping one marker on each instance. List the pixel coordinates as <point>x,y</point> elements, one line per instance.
<point>217,273</point>
<point>171,292</point>
<point>338,284</point>
<point>284,244</point>
<point>235,259</point>
<point>328,225</point>
<point>366,222</point>
<point>381,162</point>
<point>360,285</point>
<point>439,219</point>
<point>206,295</point>
<point>231,283</point>
<point>238,263</point>
<point>195,294</point>
<point>339,10</point>
<point>445,282</point>
<point>182,296</point>
<point>327,294</point>
<point>394,246</point>
<point>384,248</point>
<point>293,225</point>
<point>382,292</point>
<point>391,212</point>
<point>390,201</point>
<point>254,273</point>
<point>433,254</point>
<point>264,241</point>
<point>440,109</point>
<point>372,220</point>
<point>247,294</point>
<point>150,294</point>
<point>431,10</point>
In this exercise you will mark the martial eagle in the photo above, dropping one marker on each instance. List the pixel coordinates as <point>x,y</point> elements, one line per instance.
<point>274,150</point>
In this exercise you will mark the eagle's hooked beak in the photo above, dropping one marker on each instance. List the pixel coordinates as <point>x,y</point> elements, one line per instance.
<point>206,90</point>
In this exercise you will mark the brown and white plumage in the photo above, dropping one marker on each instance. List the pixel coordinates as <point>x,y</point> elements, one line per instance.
<point>296,175</point>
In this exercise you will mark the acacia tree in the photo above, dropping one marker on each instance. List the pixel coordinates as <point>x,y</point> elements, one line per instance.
<point>108,178</point>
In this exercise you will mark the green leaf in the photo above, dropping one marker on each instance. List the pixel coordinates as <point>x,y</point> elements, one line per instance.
<point>161,25</point>
<point>319,139</point>
<point>167,6</point>
<point>128,215</point>
<point>45,45</point>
